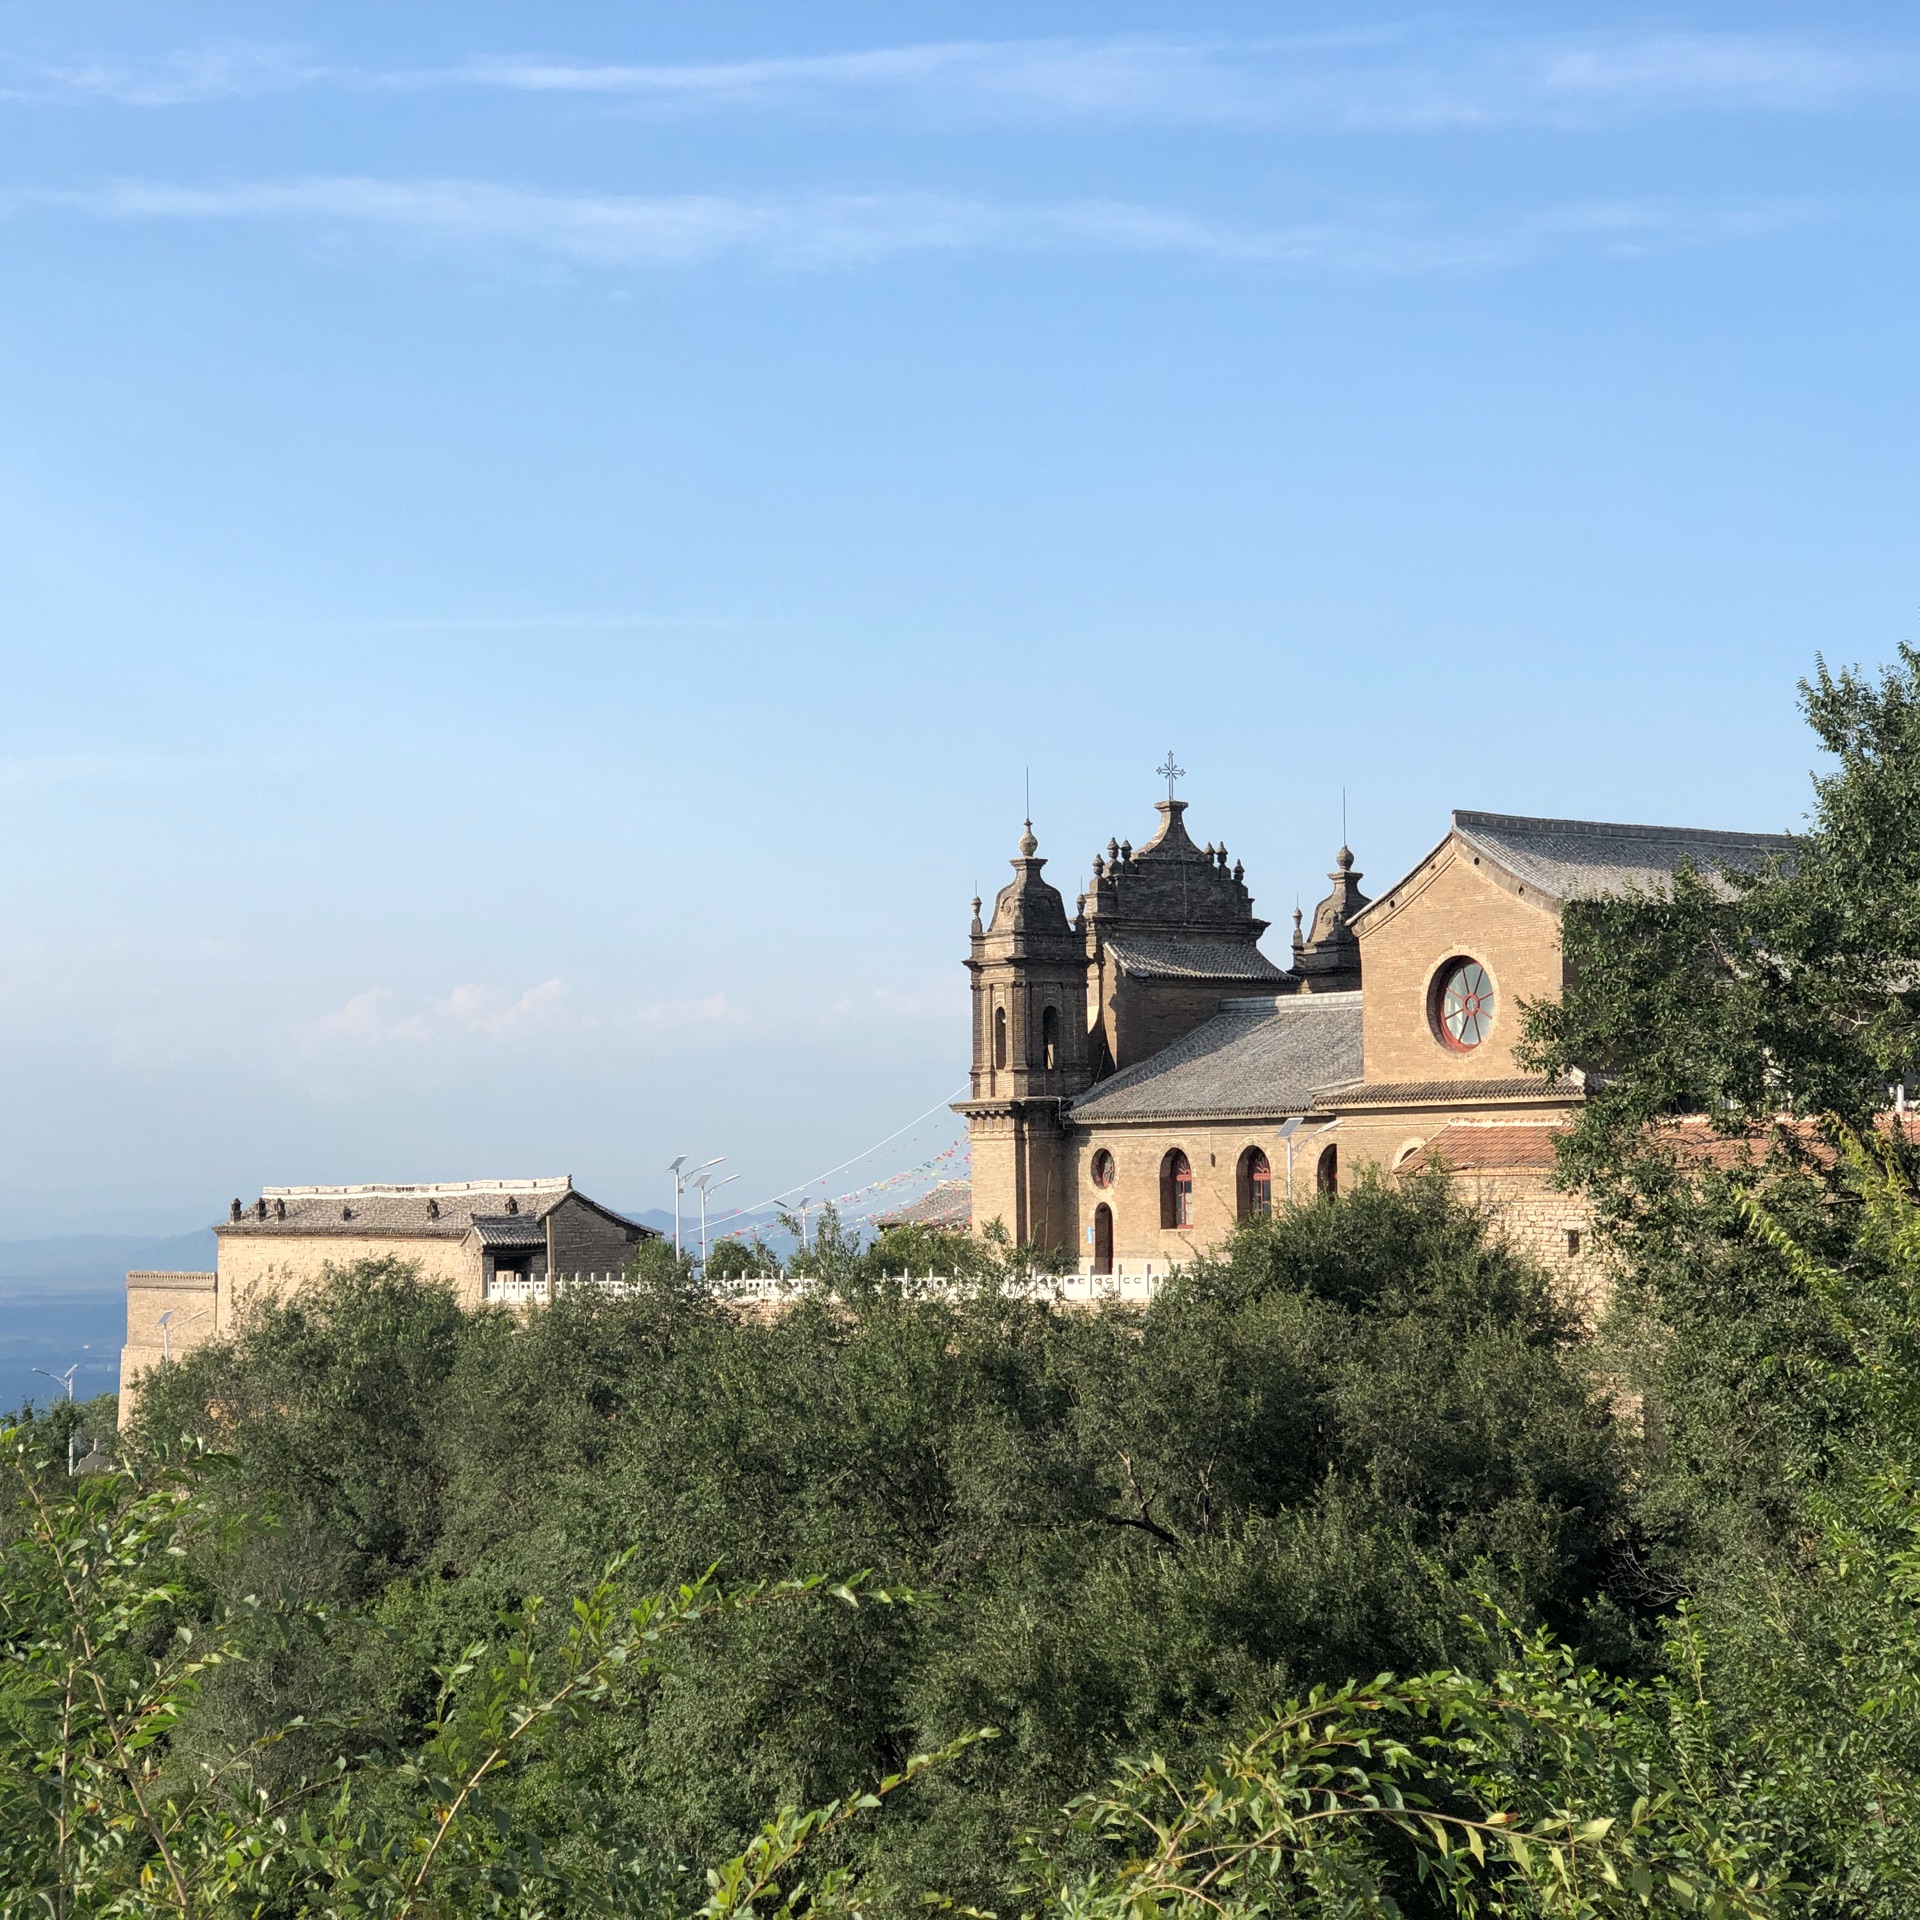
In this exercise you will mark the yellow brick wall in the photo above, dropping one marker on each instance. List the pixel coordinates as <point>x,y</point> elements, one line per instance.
<point>1213,1149</point>
<point>1450,908</point>
<point>189,1297</point>
<point>252,1265</point>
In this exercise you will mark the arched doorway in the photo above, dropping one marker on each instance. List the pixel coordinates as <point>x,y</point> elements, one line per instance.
<point>1103,1238</point>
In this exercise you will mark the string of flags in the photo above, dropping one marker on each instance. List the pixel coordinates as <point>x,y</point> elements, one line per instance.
<point>952,1162</point>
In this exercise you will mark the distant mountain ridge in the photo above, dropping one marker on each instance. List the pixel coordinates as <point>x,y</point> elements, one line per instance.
<point>75,1263</point>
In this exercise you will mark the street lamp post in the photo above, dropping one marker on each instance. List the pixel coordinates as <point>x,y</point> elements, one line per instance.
<point>705,1184</point>
<point>165,1324</point>
<point>685,1176</point>
<point>64,1380</point>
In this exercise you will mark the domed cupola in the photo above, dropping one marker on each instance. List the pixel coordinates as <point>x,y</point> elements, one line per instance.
<point>1327,959</point>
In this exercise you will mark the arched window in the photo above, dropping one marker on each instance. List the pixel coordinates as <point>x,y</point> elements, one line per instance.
<point>1176,1190</point>
<point>1103,1238</point>
<point>1050,1038</point>
<point>1326,1171</point>
<point>999,1036</point>
<point>1255,1185</point>
<point>1102,1168</point>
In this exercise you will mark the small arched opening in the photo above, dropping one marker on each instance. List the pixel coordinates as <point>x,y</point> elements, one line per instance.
<point>1102,1168</point>
<point>1254,1185</point>
<point>1103,1238</point>
<point>1326,1170</point>
<point>999,1036</point>
<point>1050,1038</point>
<point>1176,1190</point>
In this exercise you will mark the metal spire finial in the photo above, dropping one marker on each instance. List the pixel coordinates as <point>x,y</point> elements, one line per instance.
<point>1171,772</point>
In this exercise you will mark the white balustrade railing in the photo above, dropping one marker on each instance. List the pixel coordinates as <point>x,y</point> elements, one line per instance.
<point>522,1290</point>
<point>1092,1289</point>
<point>773,1289</point>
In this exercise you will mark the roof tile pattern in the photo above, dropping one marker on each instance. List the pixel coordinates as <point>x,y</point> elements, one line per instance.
<point>1147,959</point>
<point>1255,1056</point>
<point>948,1206</point>
<point>1430,1093</point>
<point>1578,859</point>
<point>1499,1148</point>
<point>424,1212</point>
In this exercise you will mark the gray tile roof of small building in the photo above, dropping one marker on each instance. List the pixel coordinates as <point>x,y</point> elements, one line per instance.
<point>948,1205</point>
<point>1578,859</point>
<point>1255,1056</point>
<point>1147,959</point>
<point>511,1230</point>
<point>445,1210</point>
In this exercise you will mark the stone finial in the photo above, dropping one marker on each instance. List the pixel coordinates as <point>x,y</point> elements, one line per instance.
<point>976,929</point>
<point>1029,846</point>
<point>1126,851</point>
<point>1299,939</point>
<point>1344,859</point>
<point>1113,853</point>
<point>1240,872</point>
<point>1099,867</point>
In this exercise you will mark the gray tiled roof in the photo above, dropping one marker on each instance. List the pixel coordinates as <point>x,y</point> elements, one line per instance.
<point>948,1205</point>
<point>1576,859</point>
<point>1255,1056</point>
<point>1194,960</point>
<point>510,1230</point>
<point>1414,1093</point>
<point>433,1212</point>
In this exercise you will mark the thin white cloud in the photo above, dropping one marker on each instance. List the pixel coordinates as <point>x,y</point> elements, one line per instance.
<point>1410,76</point>
<point>615,231</point>
<point>669,1016</point>
<point>472,1010</point>
<point>226,70</point>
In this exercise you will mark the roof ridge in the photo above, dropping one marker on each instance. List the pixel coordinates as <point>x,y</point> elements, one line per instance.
<point>557,1183</point>
<point>1610,829</point>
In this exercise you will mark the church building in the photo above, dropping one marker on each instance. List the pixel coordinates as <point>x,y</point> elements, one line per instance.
<point>1145,1076</point>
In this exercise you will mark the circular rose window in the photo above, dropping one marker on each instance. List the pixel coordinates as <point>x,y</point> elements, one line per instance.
<point>1103,1168</point>
<point>1463,1003</point>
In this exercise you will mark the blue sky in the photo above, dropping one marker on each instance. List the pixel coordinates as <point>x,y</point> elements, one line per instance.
<point>538,545</point>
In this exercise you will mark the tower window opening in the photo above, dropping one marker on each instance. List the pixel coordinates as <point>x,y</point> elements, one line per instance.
<point>1050,1038</point>
<point>999,1036</point>
<point>1176,1190</point>
<point>1256,1185</point>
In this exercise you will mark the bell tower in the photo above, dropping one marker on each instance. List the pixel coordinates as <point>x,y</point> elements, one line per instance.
<point>1029,971</point>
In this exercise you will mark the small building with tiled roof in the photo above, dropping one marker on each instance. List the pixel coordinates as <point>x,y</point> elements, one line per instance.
<point>501,1242</point>
<point>946,1208</point>
<point>1144,1076</point>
